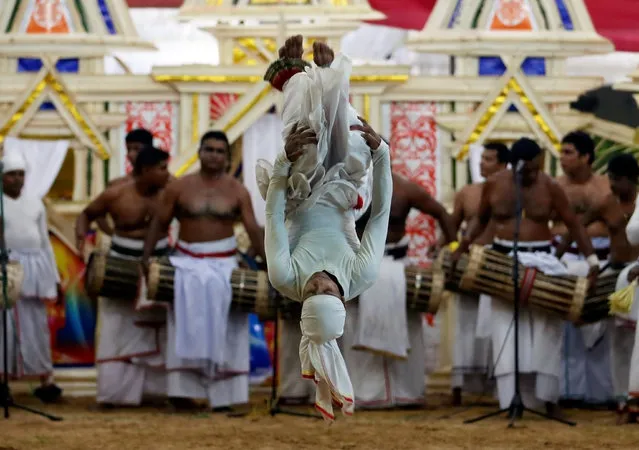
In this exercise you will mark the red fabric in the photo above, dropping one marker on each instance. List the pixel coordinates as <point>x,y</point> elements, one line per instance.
<point>407,14</point>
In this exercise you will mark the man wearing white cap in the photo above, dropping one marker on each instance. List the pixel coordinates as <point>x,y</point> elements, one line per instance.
<point>313,187</point>
<point>27,238</point>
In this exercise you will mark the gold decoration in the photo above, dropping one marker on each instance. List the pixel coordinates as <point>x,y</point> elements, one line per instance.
<point>339,2</point>
<point>255,78</point>
<point>193,159</point>
<point>483,122</point>
<point>367,107</point>
<point>240,55</point>
<point>277,2</point>
<point>195,118</point>
<point>15,118</point>
<point>50,81</point>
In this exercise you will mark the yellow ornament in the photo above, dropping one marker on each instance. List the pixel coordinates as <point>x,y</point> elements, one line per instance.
<point>453,246</point>
<point>621,301</point>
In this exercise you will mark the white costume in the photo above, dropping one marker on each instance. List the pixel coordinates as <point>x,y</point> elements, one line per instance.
<point>586,361</point>
<point>208,353</point>
<point>27,240</point>
<point>539,333</point>
<point>131,345</point>
<point>311,208</point>
<point>383,344</point>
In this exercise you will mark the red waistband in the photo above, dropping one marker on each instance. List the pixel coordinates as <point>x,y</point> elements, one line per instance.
<point>187,252</point>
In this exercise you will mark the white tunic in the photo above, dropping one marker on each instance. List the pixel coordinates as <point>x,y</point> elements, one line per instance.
<point>27,238</point>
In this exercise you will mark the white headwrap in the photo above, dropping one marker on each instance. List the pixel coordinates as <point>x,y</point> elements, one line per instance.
<point>13,161</point>
<point>322,323</point>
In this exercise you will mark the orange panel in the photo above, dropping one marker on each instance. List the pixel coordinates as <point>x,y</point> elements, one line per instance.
<point>512,15</point>
<point>48,16</point>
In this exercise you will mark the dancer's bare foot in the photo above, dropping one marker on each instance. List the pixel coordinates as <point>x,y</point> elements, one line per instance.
<point>323,55</point>
<point>293,48</point>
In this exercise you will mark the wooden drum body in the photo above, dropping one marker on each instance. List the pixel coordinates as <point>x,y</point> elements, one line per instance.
<point>15,278</point>
<point>112,276</point>
<point>251,289</point>
<point>424,289</point>
<point>490,272</point>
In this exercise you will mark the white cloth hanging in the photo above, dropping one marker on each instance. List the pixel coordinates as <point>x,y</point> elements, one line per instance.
<point>43,159</point>
<point>262,140</point>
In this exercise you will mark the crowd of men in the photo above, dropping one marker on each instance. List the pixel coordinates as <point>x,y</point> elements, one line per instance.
<point>574,224</point>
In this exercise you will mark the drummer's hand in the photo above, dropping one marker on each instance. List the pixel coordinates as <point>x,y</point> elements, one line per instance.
<point>296,140</point>
<point>633,274</point>
<point>593,274</point>
<point>373,140</point>
<point>322,54</point>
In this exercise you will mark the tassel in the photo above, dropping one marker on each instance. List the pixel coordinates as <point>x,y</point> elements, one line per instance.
<point>621,301</point>
<point>360,202</point>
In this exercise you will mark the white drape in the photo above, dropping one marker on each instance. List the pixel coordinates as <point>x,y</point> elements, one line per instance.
<point>262,140</point>
<point>44,160</point>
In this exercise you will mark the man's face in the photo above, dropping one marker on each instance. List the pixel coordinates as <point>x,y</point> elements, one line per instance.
<point>158,175</point>
<point>321,284</point>
<point>12,182</point>
<point>621,186</point>
<point>132,150</point>
<point>489,163</point>
<point>571,160</point>
<point>530,171</point>
<point>214,155</point>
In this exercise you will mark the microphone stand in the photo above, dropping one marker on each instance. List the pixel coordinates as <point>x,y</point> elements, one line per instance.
<point>516,409</point>
<point>274,401</point>
<point>5,393</point>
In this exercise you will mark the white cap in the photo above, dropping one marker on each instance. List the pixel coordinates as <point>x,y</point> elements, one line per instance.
<point>323,318</point>
<point>13,161</point>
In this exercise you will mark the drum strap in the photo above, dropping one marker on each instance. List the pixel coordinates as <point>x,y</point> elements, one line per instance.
<point>527,285</point>
<point>187,252</point>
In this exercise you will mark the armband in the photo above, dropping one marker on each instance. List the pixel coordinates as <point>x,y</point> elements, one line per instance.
<point>280,71</point>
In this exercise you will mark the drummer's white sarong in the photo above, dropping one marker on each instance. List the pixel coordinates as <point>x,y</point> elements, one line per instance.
<point>622,341</point>
<point>217,366</point>
<point>539,335</point>
<point>28,335</point>
<point>586,356</point>
<point>471,352</point>
<point>131,345</point>
<point>391,372</point>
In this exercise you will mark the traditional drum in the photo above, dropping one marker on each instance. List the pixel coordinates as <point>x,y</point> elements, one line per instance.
<point>15,277</point>
<point>251,289</point>
<point>112,276</point>
<point>424,289</point>
<point>489,272</point>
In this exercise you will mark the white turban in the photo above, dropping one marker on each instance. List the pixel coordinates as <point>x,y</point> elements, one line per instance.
<point>13,161</point>
<point>322,323</point>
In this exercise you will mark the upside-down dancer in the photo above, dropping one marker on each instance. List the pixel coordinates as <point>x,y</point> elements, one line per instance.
<point>586,355</point>
<point>539,333</point>
<point>208,344</point>
<point>131,347</point>
<point>313,253</point>
<point>384,345</point>
<point>614,212</point>
<point>26,237</point>
<point>471,351</point>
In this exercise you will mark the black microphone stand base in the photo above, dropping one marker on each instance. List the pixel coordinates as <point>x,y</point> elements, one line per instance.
<point>516,411</point>
<point>6,402</point>
<point>275,408</point>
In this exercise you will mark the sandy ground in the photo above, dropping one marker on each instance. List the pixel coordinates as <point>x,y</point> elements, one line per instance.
<point>84,427</point>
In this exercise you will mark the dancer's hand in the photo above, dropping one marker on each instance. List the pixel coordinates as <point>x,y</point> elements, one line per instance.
<point>293,48</point>
<point>322,54</point>
<point>593,274</point>
<point>296,140</point>
<point>373,140</point>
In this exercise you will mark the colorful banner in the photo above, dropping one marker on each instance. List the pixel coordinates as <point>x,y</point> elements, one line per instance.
<point>73,324</point>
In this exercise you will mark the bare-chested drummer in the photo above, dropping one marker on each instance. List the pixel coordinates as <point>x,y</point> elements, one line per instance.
<point>541,198</point>
<point>135,141</point>
<point>207,204</point>
<point>471,352</point>
<point>586,355</point>
<point>130,355</point>
<point>615,212</point>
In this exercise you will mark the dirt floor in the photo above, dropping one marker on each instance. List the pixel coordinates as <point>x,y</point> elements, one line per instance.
<point>84,427</point>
